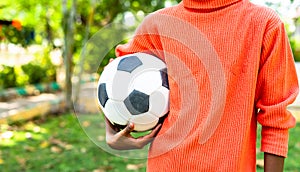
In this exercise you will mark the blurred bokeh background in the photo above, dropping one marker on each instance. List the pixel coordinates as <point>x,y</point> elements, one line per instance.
<point>44,74</point>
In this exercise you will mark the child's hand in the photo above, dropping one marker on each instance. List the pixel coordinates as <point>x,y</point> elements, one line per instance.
<point>122,140</point>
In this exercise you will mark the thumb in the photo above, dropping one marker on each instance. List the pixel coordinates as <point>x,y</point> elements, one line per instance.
<point>127,130</point>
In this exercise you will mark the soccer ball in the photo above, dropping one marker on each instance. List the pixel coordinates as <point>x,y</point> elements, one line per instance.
<point>134,88</point>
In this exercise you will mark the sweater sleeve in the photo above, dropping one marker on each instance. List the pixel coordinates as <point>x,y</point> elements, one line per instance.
<point>277,87</point>
<point>144,40</point>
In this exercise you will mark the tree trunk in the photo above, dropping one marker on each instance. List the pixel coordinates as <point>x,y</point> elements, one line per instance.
<point>68,25</point>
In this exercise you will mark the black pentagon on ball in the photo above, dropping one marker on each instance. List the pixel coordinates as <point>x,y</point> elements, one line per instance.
<point>128,64</point>
<point>164,77</point>
<point>102,94</point>
<point>137,102</point>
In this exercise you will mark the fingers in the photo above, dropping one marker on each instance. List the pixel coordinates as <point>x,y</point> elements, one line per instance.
<point>153,132</point>
<point>122,140</point>
<point>156,130</point>
<point>144,140</point>
<point>127,130</point>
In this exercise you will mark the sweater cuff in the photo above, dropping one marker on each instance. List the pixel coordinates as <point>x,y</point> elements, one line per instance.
<point>275,141</point>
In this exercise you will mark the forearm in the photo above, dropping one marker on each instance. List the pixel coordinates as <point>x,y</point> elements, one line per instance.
<point>273,163</point>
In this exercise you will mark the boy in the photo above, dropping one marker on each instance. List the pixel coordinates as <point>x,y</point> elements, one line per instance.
<point>230,66</point>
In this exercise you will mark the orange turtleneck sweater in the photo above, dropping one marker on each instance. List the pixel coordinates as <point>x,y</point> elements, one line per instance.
<point>230,66</point>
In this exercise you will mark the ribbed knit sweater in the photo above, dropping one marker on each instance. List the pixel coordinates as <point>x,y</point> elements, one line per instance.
<point>230,66</point>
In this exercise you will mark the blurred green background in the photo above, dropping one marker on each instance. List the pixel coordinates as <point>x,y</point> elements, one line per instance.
<point>53,33</point>
<point>41,42</point>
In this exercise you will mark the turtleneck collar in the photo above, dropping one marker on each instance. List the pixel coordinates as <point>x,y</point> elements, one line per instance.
<point>207,4</point>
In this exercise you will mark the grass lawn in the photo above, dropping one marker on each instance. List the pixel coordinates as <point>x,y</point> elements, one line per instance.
<point>58,143</point>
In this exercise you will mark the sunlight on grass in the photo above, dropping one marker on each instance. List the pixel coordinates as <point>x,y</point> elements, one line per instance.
<point>59,143</point>
<point>94,128</point>
<point>11,136</point>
